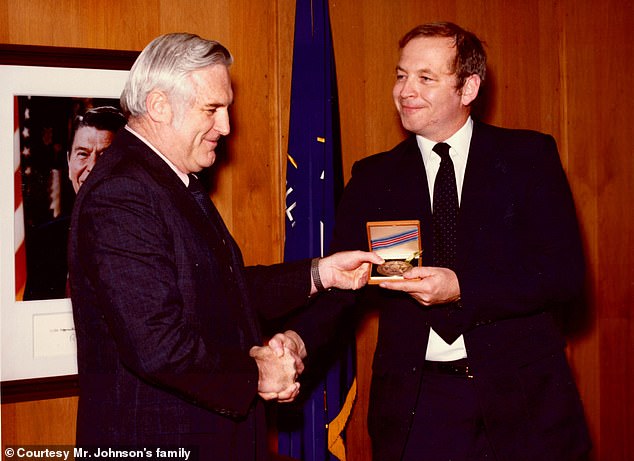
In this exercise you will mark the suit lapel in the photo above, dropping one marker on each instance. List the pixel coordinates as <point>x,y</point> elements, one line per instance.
<point>166,177</point>
<point>216,234</point>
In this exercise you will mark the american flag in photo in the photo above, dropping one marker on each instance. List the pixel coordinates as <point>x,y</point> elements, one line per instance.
<point>20,248</point>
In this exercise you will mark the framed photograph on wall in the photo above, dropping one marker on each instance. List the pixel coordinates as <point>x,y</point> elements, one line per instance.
<point>43,92</point>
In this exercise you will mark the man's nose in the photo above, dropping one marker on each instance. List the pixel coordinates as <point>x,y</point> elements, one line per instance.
<point>90,163</point>
<point>407,88</point>
<point>222,124</point>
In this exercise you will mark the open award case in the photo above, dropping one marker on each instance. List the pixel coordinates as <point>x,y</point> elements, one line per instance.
<point>398,243</point>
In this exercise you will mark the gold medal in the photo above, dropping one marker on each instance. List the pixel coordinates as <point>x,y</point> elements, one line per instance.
<point>391,268</point>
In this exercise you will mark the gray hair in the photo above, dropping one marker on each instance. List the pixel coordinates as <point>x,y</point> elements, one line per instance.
<point>165,64</point>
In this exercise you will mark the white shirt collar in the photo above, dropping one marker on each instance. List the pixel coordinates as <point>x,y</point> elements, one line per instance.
<point>459,143</point>
<point>459,153</point>
<point>180,174</point>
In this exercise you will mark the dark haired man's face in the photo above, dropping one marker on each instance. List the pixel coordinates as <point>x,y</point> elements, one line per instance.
<point>88,145</point>
<point>425,92</point>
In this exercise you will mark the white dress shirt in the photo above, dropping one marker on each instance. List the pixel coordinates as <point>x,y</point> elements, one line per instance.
<point>437,348</point>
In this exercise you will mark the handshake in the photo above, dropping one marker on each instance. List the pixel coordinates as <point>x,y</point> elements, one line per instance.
<point>281,361</point>
<point>279,364</point>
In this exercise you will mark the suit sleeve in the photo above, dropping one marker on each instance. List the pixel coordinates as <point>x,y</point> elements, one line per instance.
<point>278,289</point>
<point>127,252</point>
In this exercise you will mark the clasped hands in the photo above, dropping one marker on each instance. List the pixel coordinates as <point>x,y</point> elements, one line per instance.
<point>280,363</point>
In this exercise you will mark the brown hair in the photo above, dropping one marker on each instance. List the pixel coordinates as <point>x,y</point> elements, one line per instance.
<point>470,55</point>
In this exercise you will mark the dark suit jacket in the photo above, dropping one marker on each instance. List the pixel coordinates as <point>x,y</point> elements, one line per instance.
<point>166,312</point>
<point>519,261</point>
<point>47,268</point>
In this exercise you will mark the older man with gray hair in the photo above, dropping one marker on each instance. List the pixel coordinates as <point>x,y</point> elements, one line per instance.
<point>169,347</point>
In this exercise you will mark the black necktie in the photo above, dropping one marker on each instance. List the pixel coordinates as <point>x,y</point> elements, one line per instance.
<point>202,197</point>
<point>445,214</point>
<point>197,189</point>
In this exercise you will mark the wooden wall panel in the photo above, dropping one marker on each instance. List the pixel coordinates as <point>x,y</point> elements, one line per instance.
<point>601,171</point>
<point>254,147</point>
<point>116,24</point>
<point>556,66</point>
<point>40,422</point>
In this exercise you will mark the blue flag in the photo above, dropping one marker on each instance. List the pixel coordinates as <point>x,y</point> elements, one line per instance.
<point>313,181</point>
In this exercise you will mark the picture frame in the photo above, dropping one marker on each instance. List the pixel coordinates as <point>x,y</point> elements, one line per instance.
<point>398,243</point>
<point>38,358</point>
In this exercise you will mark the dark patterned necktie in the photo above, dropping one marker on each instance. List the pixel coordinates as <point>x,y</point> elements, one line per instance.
<point>200,194</point>
<point>445,214</point>
<point>197,189</point>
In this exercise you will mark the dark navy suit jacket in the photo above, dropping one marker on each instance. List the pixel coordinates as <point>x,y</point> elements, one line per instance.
<point>519,261</point>
<point>166,312</point>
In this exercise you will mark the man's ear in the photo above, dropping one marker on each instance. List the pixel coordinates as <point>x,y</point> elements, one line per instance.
<point>470,89</point>
<point>158,106</point>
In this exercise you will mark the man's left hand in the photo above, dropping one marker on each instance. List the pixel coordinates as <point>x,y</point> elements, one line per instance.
<point>428,285</point>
